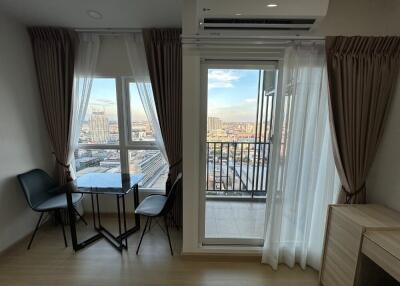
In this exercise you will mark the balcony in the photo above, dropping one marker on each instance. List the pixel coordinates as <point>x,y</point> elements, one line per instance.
<point>236,188</point>
<point>237,170</point>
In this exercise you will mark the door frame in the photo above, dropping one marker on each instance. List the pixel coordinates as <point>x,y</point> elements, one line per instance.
<point>205,65</point>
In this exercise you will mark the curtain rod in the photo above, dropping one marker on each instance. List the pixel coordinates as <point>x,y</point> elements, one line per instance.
<point>244,41</point>
<point>225,37</point>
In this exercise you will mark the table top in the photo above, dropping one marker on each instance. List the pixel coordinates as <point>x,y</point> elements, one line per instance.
<point>370,215</point>
<point>388,239</point>
<point>106,183</point>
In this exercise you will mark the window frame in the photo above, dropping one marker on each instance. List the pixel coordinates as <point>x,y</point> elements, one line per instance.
<point>205,65</point>
<point>135,145</point>
<point>126,143</point>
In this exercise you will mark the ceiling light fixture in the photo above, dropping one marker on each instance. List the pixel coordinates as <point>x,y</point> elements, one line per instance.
<point>272,5</point>
<point>238,14</point>
<point>94,14</point>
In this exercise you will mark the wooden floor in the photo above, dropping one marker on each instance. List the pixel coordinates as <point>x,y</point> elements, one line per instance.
<point>50,263</point>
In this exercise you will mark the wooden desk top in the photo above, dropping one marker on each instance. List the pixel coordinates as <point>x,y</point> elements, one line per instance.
<point>389,240</point>
<point>370,215</point>
<point>383,247</point>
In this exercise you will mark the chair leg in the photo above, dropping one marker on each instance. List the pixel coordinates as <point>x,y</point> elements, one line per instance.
<point>172,218</point>
<point>79,215</point>
<point>58,218</point>
<point>141,238</point>
<point>169,239</point>
<point>36,229</point>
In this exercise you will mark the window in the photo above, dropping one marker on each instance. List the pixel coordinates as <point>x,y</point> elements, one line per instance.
<point>140,125</point>
<point>100,125</point>
<point>143,156</point>
<point>107,144</point>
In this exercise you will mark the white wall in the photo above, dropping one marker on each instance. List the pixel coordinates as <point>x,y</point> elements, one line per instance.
<point>23,138</point>
<point>361,17</point>
<point>383,185</point>
<point>355,17</point>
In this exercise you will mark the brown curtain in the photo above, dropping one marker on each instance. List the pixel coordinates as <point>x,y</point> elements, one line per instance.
<point>54,54</point>
<point>362,73</point>
<point>164,60</point>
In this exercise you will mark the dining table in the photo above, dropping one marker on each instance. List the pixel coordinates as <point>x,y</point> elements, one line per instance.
<point>95,185</point>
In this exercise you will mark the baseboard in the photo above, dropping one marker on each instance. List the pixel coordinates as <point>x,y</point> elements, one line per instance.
<point>222,257</point>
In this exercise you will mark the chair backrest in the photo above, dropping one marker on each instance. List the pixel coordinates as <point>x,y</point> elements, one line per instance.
<point>36,185</point>
<point>172,195</point>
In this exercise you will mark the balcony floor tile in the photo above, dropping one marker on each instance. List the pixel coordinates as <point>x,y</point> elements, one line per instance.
<point>227,219</point>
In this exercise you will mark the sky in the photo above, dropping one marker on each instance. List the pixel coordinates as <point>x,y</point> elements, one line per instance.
<point>103,97</point>
<point>232,94</point>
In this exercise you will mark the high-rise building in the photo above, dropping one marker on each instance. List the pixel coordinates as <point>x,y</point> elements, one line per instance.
<point>150,163</point>
<point>99,127</point>
<point>214,123</point>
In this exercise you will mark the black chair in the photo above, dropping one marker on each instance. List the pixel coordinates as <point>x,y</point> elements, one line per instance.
<point>155,206</point>
<point>44,196</point>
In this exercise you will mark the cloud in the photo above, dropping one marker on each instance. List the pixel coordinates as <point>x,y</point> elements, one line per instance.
<point>103,101</point>
<point>222,78</point>
<point>250,100</point>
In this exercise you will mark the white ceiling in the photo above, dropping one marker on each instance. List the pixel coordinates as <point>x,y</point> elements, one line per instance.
<point>116,13</point>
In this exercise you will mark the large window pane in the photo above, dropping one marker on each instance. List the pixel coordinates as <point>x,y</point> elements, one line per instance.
<point>152,165</point>
<point>100,125</point>
<point>140,125</point>
<point>97,161</point>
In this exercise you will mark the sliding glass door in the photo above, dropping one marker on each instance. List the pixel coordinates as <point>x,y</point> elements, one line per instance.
<point>238,111</point>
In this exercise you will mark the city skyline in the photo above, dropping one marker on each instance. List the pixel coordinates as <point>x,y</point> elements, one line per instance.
<point>232,96</point>
<point>103,98</point>
<point>232,109</point>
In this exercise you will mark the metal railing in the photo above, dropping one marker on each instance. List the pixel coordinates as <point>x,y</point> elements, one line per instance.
<point>237,169</point>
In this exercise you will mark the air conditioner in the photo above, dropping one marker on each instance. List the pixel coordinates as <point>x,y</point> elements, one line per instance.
<point>277,16</point>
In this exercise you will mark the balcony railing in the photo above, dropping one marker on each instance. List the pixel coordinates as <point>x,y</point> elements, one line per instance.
<point>237,169</point>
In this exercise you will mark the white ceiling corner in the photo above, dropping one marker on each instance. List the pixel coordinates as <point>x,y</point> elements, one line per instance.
<point>115,13</point>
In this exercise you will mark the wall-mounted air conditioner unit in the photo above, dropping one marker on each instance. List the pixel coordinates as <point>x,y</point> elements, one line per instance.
<point>219,16</point>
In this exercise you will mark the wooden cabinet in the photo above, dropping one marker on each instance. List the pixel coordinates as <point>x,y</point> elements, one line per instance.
<point>348,234</point>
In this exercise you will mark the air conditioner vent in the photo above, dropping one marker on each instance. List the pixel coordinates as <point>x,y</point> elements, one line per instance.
<point>257,21</point>
<point>257,24</point>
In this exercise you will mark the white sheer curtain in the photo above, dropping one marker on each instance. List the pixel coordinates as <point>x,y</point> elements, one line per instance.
<point>137,59</point>
<point>303,176</point>
<point>85,66</point>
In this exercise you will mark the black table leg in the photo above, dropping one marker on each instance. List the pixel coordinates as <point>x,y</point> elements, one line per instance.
<point>77,246</point>
<point>136,204</point>
<point>93,212</point>
<point>115,241</point>
<point>120,239</point>
<point>72,220</point>
<point>124,213</point>
<point>98,210</point>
